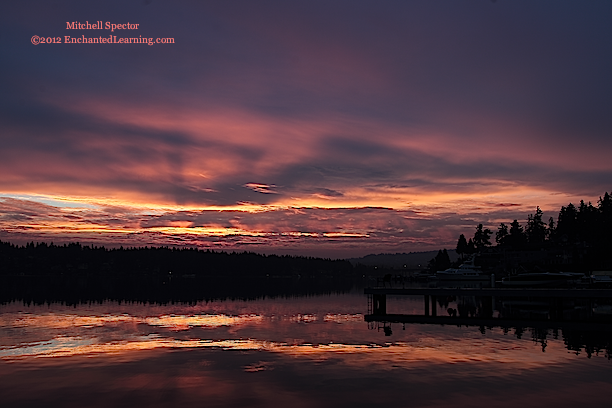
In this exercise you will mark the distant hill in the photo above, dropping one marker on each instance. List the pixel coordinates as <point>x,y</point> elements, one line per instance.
<point>412,260</point>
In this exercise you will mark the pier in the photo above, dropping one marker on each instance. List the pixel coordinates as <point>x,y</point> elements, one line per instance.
<point>555,307</point>
<point>552,292</point>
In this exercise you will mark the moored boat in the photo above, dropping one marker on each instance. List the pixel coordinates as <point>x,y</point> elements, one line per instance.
<point>466,271</point>
<point>542,279</point>
<point>601,279</point>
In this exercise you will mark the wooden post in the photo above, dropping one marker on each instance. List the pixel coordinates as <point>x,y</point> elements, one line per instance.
<point>380,304</point>
<point>434,306</point>
<point>426,305</point>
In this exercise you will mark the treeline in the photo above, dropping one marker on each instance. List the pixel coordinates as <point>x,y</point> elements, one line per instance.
<point>73,273</point>
<point>585,228</point>
<point>75,259</point>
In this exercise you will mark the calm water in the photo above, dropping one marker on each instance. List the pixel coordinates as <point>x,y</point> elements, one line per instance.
<point>297,352</point>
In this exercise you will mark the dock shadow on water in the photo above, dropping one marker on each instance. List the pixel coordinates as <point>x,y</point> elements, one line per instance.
<point>304,350</point>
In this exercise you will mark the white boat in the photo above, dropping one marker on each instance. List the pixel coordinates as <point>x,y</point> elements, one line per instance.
<point>601,279</point>
<point>467,271</point>
<point>539,279</point>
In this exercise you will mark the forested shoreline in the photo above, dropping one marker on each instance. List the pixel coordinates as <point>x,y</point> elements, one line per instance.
<point>77,273</point>
<point>42,259</point>
<point>580,239</point>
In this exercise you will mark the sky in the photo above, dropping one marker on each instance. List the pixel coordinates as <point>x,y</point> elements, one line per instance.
<point>320,128</point>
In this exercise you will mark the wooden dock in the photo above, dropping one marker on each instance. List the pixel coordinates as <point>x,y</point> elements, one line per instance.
<point>508,292</point>
<point>377,297</point>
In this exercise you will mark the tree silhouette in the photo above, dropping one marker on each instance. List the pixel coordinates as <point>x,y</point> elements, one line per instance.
<point>536,228</point>
<point>605,218</point>
<point>501,236</point>
<point>462,246</point>
<point>482,237</point>
<point>587,219</point>
<point>582,236</point>
<point>550,232</point>
<point>516,239</point>
<point>567,224</point>
<point>440,262</point>
<point>471,248</point>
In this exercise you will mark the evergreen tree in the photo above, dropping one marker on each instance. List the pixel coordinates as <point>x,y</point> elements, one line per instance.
<point>501,236</point>
<point>516,239</point>
<point>587,219</point>
<point>605,218</point>
<point>605,204</point>
<point>444,261</point>
<point>462,246</point>
<point>471,248</point>
<point>536,229</point>
<point>482,237</point>
<point>440,262</point>
<point>550,232</point>
<point>567,225</point>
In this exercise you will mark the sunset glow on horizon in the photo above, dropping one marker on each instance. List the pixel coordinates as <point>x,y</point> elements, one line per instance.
<point>323,129</point>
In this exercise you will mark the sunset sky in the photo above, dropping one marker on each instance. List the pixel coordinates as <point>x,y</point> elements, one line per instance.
<point>324,128</point>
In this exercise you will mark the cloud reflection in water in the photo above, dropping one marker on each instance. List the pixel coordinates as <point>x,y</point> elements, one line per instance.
<point>310,351</point>
<point>65,337</point>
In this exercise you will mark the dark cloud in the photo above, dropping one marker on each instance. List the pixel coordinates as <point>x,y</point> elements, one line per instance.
<point>326,192</point>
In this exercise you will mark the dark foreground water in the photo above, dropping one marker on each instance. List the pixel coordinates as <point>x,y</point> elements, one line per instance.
<point>297,352</point>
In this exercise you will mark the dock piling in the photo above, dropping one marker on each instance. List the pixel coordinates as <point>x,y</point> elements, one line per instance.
<point>434,306</point>
<point>379,304</point>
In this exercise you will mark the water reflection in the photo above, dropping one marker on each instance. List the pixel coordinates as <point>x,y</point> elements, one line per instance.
<point>297,326</point>
<point>584,321</point>
<point>312,351</point>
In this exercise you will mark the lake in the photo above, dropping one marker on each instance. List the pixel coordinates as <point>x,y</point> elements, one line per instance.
<point>309,351</point>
